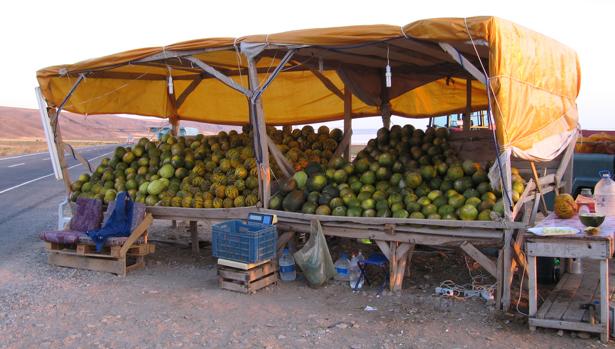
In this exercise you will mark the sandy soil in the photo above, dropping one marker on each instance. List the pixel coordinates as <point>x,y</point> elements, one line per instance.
<point>175,302</point>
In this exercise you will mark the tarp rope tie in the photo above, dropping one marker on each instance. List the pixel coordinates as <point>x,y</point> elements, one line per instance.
<point>238,60</point>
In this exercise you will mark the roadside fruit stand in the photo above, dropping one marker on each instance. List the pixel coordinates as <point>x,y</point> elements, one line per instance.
<point>526,82</point>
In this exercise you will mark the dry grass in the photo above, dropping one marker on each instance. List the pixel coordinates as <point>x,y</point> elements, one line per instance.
<point>10,147</point>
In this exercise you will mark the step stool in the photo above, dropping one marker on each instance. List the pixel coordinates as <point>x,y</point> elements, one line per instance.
<point>246,278</point>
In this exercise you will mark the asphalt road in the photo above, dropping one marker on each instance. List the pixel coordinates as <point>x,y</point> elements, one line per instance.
<point>30,195</point>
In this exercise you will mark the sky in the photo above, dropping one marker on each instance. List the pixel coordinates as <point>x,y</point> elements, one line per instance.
<point>39,34</point>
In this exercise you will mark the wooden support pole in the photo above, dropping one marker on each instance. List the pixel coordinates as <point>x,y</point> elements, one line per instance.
<point>467,120</point>
<point>604,299</point>
<point>174,126</point>
<point>499,278</point>
<point>508,272</point>
<point>285,166</point>
<point>483,260</point>
<point>55,124</point>
<point>533,288</point>
<point>507,189</point>
<point>347,119</point>
<point>543,204</point>
<point>392,264</point>
<point>194,237</point>
<point>257,118</point>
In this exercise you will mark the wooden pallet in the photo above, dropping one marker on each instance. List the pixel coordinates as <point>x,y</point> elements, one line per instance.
<point>247,281</point>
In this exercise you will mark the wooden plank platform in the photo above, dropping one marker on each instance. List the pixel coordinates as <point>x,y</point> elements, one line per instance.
<point>563,309</point>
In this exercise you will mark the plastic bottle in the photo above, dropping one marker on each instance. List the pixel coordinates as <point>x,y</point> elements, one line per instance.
<point>287,266</point>
<point>342,266</point>
<point>604,194</point>
<point>355,273</point>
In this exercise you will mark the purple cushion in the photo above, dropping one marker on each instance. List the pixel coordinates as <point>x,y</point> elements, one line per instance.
<point>65,237</point>
<point>88,215</point>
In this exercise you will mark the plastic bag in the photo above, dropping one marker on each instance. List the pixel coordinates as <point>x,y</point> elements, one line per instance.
<point>314,258</point>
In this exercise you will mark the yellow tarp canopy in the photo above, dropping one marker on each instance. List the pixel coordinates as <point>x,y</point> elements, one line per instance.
<point>535,80</point>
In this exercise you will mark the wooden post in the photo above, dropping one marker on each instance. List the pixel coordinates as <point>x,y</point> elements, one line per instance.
<point>392,264</point>
<point>533,288</point>
<point>467,120</point>
<point>507,188</point>
<point>347,119</point>
<point>508,272</point>
<point>55,124</point>
<point>194,237</point>
<point>260,133</point>
<point>604,299</point>
<point>543,204</point>
<point>174,121</point>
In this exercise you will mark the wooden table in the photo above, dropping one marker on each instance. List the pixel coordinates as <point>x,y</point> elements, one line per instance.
<point>562,309</point>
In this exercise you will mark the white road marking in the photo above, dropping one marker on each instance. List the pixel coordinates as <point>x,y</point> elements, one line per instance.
<point>45,158</point>
<point>49,175</point>
<point>21,156</point>
<point>19,164</point>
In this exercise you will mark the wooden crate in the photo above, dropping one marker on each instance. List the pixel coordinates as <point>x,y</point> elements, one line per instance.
<point>247,281</point>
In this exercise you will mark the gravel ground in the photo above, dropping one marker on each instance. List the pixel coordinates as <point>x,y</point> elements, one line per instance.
<point>175,302</point>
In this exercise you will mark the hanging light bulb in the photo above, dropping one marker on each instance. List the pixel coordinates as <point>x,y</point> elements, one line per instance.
<point>387,73</point>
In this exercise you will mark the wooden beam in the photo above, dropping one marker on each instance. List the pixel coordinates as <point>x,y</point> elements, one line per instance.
<point>384,247</point>
<point>393,265</point>
<point>328,83</point>
<point>347,120</point>
<point>508,272</point>
<point>483,260</point>
<point>257,118</point>
<point>565,167</point>
<point>605,314</point>
<point>185,93</point>
<point>343,146</point>
<point>543,204</point>
<point>467,120</point>
<point>285,166</point>
<point>55,124</point>
<point>194,237</point>
<point>464,62</point>
<point>218,75</point>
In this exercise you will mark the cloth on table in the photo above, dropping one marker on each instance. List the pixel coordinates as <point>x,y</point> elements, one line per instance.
<point>118,224</point>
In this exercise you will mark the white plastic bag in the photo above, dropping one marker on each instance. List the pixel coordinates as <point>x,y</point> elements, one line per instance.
<point>314,258</point>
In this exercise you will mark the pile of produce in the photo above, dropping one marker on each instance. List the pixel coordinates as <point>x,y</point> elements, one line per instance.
<point>205,172</point>
<point>200,172</point>
<point>597,143</point>
<point>303,146</point>
<point>404,172</point>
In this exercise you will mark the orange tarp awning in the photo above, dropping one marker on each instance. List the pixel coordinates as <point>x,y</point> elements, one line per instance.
<point>535,79</point>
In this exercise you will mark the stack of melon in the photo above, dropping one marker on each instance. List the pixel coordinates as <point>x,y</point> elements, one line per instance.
<point>210,172</point>
<point>403,173</point>
<point>304,146</point>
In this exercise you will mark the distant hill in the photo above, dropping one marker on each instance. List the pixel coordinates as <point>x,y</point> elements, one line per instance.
<point>23,123</point>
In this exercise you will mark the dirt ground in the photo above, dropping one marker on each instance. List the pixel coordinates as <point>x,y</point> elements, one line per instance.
<point>35,145</point>
<point>175,302</point>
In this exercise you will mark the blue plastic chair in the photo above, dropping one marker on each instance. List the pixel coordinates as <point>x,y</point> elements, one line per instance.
<point>375,259</point>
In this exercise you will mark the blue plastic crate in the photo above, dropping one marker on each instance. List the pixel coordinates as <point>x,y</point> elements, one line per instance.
<point>244,242</point>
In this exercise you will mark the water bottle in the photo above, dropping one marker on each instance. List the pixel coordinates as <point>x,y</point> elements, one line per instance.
<point>354,275</point>
<point>342,266</point>
<point>287,266</point>
<point>604,194</point>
